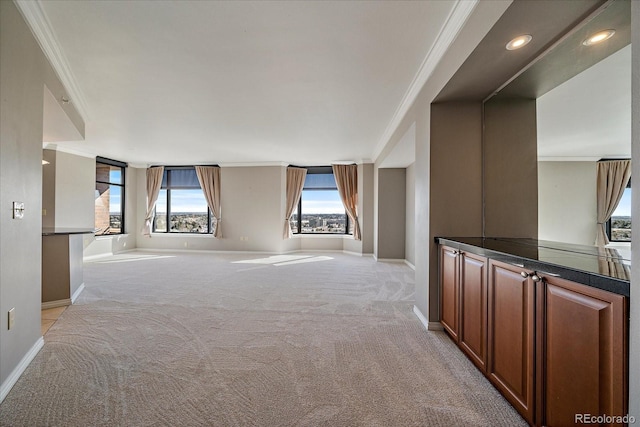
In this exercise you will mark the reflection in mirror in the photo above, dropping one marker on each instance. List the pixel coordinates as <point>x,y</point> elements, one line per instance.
<point>586,119</point>
<point>583,114</point>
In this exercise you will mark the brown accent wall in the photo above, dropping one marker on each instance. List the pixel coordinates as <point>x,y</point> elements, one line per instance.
<point>510,168</point>
<point>455,207</point>
<point>391,213</point>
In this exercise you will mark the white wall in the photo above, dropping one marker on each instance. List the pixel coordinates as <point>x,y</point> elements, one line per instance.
<point>253,206</point>
<point>567,202</point>
<point>476,27</point>
<point>24,72</point>
<point>410,215</point>
<point>75,187</point>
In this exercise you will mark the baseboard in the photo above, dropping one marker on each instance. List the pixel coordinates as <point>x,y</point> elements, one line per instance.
<point>411,266</point>
<point>206,251</point>
<point>396,260</point>
<point>13,377</point>
<point>106,255</point>
<point>435,326</point>
<point>356,253</point>
<point>429,326</point>
<point>421,317</point>
<point>58,303</point>
<point>77,293</point>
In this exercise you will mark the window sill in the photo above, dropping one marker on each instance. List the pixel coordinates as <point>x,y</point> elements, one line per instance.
<point>323,236</point>
<point>182,235</point>
<point>110,236</point>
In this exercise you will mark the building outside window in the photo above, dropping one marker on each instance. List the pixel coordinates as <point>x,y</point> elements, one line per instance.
<point>320,209</point>
<point>181,206</point>
<point>619,226</point>
<point>109,196</point>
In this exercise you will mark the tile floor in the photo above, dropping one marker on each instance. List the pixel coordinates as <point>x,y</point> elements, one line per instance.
<point>49,317</point>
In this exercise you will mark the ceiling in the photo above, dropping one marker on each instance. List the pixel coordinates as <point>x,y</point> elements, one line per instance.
<point>583,92</point>
<point>589,116</point>
<point>198,82</point>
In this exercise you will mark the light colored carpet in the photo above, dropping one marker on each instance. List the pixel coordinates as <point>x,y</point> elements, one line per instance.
<point>247,340</point>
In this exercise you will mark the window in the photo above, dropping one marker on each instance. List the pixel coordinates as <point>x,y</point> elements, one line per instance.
<point>320,209</point>
<point>109,196</point>
<point>619,226</point>
<point>182,201</point>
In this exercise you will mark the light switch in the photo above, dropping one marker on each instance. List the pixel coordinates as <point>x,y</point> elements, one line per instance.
<point>12,318</point>
<point>18,210</point>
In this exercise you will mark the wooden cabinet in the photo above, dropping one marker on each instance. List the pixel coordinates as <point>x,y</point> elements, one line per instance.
<point>473,308</point>
<point>511,336</point>
<point>449,285</point>
<point>552,347</point>
<point>584,352</point>
<point>464,301</point>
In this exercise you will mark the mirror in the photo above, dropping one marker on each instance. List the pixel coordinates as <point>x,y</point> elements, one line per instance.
<point>583,114</point>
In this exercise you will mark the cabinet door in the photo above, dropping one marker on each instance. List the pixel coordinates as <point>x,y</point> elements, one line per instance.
<point>584,352</point>
<point>511,330</point>
<point>473,308</point>
<point>450,290</point>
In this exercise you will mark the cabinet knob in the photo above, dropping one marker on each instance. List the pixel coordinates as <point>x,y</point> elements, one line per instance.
<point>536,278</point>
<point>524,274</point>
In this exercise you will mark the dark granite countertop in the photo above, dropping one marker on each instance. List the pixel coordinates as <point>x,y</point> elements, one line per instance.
<point>53,231</point>
<point>602,268</point>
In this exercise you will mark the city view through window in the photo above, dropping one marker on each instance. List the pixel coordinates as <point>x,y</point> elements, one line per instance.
<point>189,212</point>
<point>108,205</point>
<point>322,212</point>
<point>621,219</point>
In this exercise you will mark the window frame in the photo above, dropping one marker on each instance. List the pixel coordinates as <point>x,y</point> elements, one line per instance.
<point>608,224</point>
<point>325,170</point>
<point>170,187</point>
<point>123,167</point>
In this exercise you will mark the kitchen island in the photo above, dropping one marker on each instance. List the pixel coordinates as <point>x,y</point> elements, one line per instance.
<point>62,270</point>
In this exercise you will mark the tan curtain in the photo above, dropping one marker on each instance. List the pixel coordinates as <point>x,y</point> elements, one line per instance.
<point>611,263</point>
<point>295,183</point>
<point>209,178</point>
<point>154,182</point>
<point>347,182</point>
<point>612,178</point>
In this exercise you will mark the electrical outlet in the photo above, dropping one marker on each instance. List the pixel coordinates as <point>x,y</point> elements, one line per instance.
<point>44,212</point>
<point>12,318</point>
<point>18,210</point>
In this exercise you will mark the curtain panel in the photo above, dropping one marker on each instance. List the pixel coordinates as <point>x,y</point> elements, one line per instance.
<point>347,182</point>
<point>295,183</point>
<point>209,178</point>
<point>611,263</point>
<point>612,178</point>
<point>154,182</point>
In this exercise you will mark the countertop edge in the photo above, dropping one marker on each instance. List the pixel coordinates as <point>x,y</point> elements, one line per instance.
<point>594,280</point>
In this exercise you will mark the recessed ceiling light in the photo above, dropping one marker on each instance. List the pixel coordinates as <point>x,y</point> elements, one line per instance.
<point>598,37</point>
<point>519,42</point>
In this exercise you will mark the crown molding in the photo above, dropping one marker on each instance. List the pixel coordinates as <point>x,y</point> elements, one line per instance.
<point>67,150</point>
<point>252,164</point>
<point>453,25</point>
<point>40,26</point>
<point>569,159</point>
